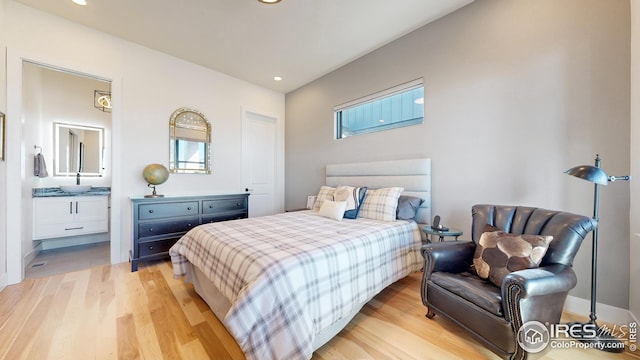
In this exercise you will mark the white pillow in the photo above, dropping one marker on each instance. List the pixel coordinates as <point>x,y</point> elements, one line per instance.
<point>348,194</point>
<point>333,209</point>
<point>325,193</point>
<point>381,204</point>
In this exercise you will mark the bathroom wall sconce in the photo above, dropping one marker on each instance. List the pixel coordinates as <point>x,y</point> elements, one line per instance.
<point>102,100</point>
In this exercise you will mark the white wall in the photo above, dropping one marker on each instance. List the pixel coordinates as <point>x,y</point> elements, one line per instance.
<point>516,92</point>
<point>3,172</point>
<point>634,284</point>
<point>147,87</point>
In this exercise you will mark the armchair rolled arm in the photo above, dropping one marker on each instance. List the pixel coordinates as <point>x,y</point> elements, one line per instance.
<point>541,281</point>
<point>537,293</point>
<point>451,256</point>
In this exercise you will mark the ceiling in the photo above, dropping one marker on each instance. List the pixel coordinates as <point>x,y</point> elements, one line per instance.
<point>299,40</point>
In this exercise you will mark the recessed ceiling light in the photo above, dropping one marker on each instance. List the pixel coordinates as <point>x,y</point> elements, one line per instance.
<point>269,1</point>
<point>80,2</point>
<point>277,78</point>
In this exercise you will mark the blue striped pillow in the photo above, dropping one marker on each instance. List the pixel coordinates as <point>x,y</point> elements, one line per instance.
<point>354,197</point>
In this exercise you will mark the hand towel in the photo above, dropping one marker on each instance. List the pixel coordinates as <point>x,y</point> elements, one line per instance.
<point>39,166</point>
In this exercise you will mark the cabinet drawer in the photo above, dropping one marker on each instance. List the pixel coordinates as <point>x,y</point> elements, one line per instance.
<point>47,231</point>
<point>224,217</point>
<point>155,228</point>
<point>223,205</point>
<point>155,247</point>
<point>157,211</point>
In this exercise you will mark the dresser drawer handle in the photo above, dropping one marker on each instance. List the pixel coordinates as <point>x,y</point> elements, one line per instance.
<point>189,208</point>
<point>151,211</point>
<point>210,206</point>
<point>238,204</point>
<point>151,247</point>
<point>150,229</point>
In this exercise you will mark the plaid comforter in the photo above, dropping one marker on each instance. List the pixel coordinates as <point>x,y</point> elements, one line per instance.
<point>289,276</point>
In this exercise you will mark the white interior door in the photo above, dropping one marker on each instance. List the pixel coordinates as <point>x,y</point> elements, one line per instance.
<point>259,162</point>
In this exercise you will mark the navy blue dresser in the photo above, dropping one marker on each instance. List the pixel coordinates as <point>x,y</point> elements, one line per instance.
<point>159,222</point>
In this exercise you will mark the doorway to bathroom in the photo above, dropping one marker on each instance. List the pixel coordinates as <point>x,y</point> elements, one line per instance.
<point>61,109</point>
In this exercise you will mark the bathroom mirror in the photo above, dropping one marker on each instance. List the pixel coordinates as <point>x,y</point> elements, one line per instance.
<point>77,149</point>
<point>189,142</point>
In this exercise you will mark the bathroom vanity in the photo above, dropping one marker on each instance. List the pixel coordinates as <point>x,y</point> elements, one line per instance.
<point>59,214</point>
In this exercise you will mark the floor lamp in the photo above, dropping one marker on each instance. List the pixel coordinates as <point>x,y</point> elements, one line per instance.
<point>597,176</point>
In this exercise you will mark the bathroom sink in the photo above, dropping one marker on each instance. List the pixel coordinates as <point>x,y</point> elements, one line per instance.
<point>75,189</point>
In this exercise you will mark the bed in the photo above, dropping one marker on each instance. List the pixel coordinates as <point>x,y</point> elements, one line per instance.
<point>285,284</point>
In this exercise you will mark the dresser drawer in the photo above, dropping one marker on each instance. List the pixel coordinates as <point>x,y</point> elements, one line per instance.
<point>157,211</point>
<point>155,228</point>
<point>223,205</point>
<point>224,217</point>
<point>155,247</point>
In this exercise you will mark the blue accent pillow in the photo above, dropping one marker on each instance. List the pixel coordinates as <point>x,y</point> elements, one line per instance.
<point>359,199</point>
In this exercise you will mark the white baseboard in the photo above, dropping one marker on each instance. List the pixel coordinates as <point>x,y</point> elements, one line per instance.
<point>28,257</point>
<point>63,242</point>
<point>604,312</point>
<point>4,281</point>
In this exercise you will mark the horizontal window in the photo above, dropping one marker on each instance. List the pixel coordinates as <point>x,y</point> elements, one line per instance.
<point>402,105</point>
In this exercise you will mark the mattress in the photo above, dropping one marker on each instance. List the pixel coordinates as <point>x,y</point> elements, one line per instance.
<point>287,277</point>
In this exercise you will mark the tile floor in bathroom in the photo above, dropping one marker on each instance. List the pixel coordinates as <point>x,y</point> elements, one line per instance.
<point>63,260</point>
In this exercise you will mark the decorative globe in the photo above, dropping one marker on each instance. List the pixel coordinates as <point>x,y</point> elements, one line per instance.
<point>155,174</point>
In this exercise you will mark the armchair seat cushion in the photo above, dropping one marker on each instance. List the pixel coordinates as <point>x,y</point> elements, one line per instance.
<point>471,288</point>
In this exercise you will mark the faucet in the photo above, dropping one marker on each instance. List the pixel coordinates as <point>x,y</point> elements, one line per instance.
<point>78,179</point>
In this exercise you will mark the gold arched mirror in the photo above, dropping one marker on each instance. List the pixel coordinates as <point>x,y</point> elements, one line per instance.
<point>190,142</point>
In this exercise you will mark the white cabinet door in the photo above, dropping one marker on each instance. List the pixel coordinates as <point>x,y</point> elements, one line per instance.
<point>91,215</point>
<point>53,210</point>
<point>90,208</point>
<point>69,216</point>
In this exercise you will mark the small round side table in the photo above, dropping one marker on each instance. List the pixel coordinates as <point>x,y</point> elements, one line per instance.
<point>429,231</point>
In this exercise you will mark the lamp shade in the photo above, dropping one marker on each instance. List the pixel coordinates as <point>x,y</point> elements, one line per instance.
<point>589,173</point>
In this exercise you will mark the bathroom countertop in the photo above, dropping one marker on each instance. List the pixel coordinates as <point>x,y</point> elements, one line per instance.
<point>57,192</point>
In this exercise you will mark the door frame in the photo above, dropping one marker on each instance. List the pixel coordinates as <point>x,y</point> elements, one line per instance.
<point>16,191</point>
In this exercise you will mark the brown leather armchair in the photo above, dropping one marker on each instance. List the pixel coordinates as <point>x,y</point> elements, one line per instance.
<point>495,314</point>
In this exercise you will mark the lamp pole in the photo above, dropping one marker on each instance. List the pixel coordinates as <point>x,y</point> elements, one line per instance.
<point>590,332</point>
<point>594,248</point>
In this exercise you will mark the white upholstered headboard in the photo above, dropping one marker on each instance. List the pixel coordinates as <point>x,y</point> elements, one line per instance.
<point>413,175</point>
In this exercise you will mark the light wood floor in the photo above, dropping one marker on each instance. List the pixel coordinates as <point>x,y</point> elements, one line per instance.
<point>107,312</point>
